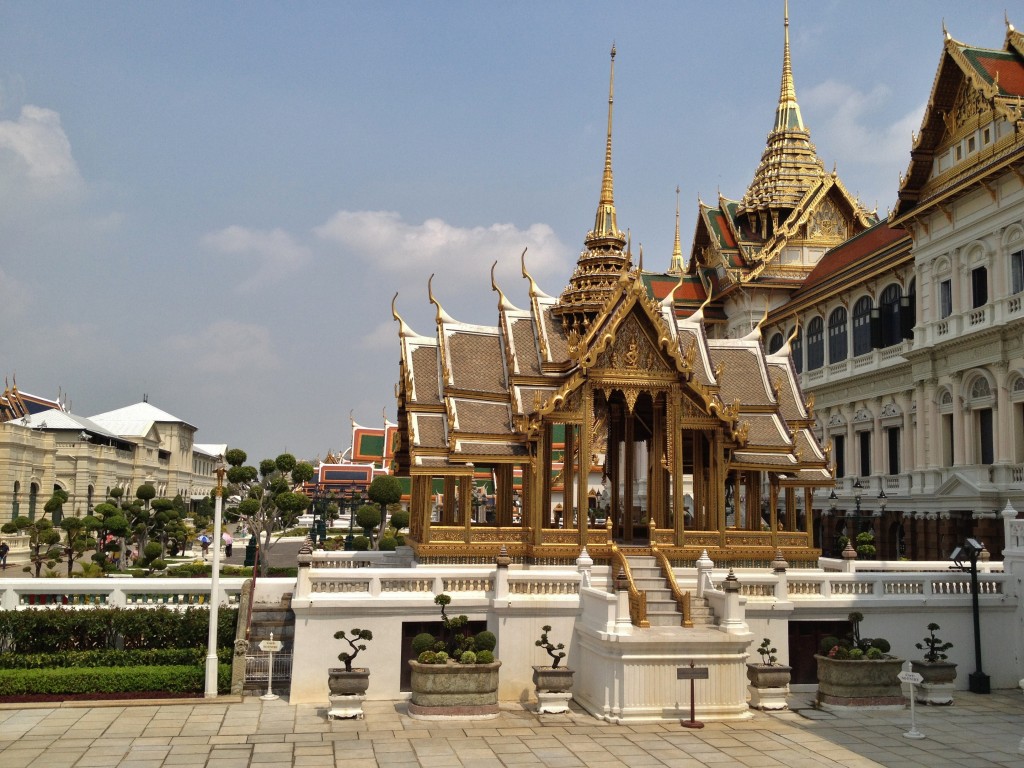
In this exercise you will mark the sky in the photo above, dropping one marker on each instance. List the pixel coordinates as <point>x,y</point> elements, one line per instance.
<point>212,204</point>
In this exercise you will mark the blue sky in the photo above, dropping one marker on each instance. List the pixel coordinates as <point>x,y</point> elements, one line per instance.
<point>213,203</point>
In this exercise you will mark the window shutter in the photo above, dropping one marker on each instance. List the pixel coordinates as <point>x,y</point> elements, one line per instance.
<point>876,329</point>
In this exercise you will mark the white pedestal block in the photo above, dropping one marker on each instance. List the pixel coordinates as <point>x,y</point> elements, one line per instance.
<point>343,706</point>
<point>768,699</point>
<point>553,702</point>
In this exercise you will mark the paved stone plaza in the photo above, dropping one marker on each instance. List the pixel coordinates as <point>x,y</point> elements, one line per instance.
<point>978,731</point>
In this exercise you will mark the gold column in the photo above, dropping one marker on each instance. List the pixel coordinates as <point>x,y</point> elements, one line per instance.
<point>449,513</point>
<point>544,489</point>
<point>583,496</point>
<point>568,473</point>
<point>611,463</point>
<point>466,506</point>
<point>627,481</point>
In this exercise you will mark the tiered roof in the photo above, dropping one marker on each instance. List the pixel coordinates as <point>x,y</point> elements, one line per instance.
<point>974,88</point>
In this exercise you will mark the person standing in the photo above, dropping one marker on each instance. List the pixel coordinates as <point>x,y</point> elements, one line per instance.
<point>228,542</point>
<point>4,549</point>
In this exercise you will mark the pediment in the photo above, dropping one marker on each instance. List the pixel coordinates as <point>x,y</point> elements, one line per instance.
<point>633,350</point>
<point>957,486</point>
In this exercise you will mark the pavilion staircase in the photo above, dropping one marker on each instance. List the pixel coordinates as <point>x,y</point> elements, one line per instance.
<point>267,618</point>
<point>662,609</point>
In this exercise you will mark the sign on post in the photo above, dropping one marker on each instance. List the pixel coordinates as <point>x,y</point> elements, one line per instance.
<point>692,673</point>
<point>270,647</point>
<point>911,678</point>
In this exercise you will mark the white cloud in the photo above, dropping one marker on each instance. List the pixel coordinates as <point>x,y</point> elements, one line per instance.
<point>35,151</point>
<point>462,255</point>
<point>225,347</point>
<point>269,253</point>
<point>849,113</point>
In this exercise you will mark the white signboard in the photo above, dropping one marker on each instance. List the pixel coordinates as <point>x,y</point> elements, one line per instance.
<point>273,646</point>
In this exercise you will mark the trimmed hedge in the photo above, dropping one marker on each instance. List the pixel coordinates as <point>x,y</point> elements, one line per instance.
<point>167,657</point>
<point>168,679</point>
<point>59,630</point>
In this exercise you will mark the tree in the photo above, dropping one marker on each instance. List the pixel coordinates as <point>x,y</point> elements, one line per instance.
<point>270,501</point>
<point>384,490</point>
<point>43,542</point>
<point>112,527</point>
<point>78,538</point>
<point>368,518</point>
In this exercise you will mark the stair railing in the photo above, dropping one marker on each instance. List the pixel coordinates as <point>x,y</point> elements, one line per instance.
<point>637,599</point>
<point>682,598</point>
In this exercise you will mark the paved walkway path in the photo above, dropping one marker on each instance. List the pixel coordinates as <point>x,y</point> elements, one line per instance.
<point>978,731</point>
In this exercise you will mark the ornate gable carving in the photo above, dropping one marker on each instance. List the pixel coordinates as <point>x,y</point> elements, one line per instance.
<point>632,350</point>
<point>828,222</point>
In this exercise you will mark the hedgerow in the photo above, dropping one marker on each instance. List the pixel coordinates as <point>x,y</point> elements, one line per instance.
<point>151,657</point>
<point>59,630</point>
<point>167,679</point>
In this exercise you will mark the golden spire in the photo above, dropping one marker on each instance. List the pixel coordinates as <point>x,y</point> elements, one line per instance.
<point>603,259</point>
<point>789,165</point>
<point>676,266</point>
<point>605,226</point>
<point>787,116</point>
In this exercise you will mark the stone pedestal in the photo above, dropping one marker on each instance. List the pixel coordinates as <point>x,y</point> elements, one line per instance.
<point>768,699</point>
<point>553,702</point>
<point>346,705</point>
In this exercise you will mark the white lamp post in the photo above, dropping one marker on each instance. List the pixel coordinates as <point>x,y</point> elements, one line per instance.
<point>211,642</point>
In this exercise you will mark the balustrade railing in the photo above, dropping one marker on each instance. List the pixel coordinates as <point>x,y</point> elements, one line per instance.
<point>18,594</point>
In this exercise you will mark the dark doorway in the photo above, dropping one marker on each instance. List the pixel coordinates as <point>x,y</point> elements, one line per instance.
<point>804,639</point>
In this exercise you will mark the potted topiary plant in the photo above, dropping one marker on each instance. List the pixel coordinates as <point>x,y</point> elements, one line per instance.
<point>769,680</point>
<point>858,671</point>
<point>552,682</point>
<point>938,673</point>
<point>348,685</point>
<point>455,674</point>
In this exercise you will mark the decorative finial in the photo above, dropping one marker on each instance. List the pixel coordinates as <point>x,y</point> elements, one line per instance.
<point>503,303</point>
<point>403,329</point>
<point>1006,18</point>
<point>442,316</point>
<point>945,32</point>
<point>787,116</point>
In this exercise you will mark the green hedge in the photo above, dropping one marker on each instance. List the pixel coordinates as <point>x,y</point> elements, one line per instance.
<point>148,658</point>
<point>61,630</point>
<point>174,679</point>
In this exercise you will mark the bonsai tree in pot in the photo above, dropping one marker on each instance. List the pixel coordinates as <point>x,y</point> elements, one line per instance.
<point>858,670</point>
<point>348,681</point>
<point>937,671</point>
<point>552,682</point>
<point>454,674</point>
<point>769,680</point>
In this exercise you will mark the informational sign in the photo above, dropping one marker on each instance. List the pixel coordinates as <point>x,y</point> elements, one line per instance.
<point>694,673</point>
<point>910,677</point>
<point>273,646</point>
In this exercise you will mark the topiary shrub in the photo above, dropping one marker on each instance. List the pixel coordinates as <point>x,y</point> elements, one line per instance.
<point>424,641</point>
<point>484,657</point>
<point>360,544</point>
<point>467,657</point>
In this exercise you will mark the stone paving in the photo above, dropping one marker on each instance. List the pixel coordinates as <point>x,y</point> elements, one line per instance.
<point>978,731</point>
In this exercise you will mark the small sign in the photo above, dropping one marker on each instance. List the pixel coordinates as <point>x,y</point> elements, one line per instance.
<point>692,673</point>
<point>910,677</point>
<point>273,646</point>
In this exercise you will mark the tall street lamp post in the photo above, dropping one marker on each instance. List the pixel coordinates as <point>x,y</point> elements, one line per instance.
<point>353,497</point>
<point>978,681</point>
<point>211,640</point>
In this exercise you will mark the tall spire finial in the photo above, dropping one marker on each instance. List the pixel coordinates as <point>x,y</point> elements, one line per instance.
<point>605,224</point>
<point>677,251</point>
<point>787,117</point>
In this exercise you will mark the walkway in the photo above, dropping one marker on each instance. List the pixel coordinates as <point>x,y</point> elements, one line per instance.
<point>978,731</point>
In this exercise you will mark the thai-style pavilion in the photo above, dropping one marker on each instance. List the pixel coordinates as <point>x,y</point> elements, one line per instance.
<point>699,442</point>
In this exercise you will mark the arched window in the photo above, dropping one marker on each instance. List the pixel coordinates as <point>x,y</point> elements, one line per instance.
<point>837,345</point>
<point>33,497</point>
<point>775,344</point>
<point>891,331</point>
<point>862,326</point>
<point>815,344</point>
<point>797,350</point>
<point>14,500</point>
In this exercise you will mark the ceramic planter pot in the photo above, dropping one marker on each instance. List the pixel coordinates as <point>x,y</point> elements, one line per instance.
<point>764,676</point>
<point>553,679</point>
<point>342,683</point>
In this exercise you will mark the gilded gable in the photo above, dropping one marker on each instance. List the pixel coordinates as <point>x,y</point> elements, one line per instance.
<point>828,223</point>
<point>632,350</point>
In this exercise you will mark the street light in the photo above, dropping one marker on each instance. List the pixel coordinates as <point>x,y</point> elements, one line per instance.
<point>211,640</point>
<point>978,681</point>
<point>354,497</point>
